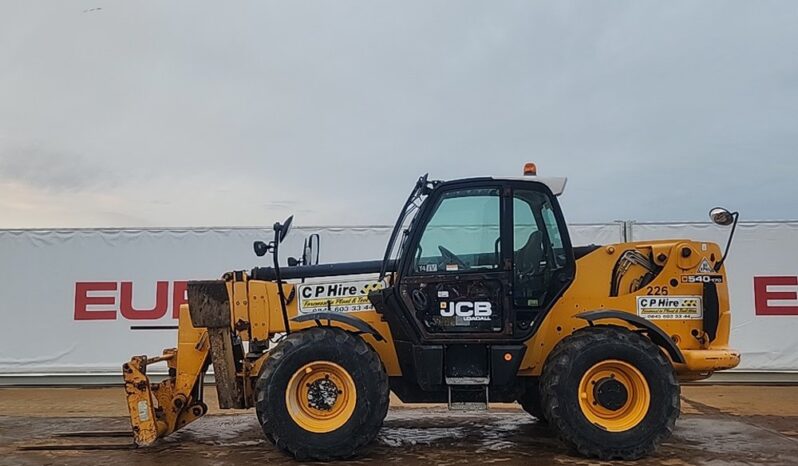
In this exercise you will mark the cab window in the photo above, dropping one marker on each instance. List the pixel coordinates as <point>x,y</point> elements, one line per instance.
<point>555,239</point>
<point>462,234</point>
<point>537,248</point>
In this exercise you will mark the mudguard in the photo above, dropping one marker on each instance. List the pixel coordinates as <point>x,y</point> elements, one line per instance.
<point>655,333</point>
<point>363,327</point>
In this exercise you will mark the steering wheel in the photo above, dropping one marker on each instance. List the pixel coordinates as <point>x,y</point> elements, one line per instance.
<point>451,258</point>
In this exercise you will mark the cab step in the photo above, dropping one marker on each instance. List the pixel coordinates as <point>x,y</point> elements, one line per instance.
<point>467,380</point>
<point>468,393</point>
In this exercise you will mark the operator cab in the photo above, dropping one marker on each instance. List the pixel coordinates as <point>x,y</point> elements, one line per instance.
<point>480,262</point>
<point>484,257</point>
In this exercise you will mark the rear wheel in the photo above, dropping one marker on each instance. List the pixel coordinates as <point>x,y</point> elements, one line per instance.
<point>322,394</point>
<point>610,393</point>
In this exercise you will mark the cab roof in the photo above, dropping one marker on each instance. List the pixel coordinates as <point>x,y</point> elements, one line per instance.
<point>556,184</point>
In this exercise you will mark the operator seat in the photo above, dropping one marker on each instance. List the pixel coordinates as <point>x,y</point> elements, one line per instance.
<point>528,257</point>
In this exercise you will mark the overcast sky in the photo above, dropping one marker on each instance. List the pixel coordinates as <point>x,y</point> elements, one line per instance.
<point>166,113</point>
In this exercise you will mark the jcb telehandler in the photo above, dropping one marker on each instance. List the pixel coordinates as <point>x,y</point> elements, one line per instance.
<point>480,298</point>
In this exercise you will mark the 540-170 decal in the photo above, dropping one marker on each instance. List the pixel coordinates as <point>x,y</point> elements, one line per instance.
<point>702,278</point>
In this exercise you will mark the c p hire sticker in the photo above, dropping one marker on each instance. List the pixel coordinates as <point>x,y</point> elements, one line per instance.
<point>346,296</point>
<point>669,307</point>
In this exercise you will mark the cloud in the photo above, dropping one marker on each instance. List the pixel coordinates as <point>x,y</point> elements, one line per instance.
<point>182,114</point>
<point>49,170</point>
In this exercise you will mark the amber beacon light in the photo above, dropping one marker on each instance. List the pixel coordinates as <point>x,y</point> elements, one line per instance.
<point>530,169</point>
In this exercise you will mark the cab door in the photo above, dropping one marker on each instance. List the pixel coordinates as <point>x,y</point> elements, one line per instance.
<point>543,263</point>
<point>457,273</point>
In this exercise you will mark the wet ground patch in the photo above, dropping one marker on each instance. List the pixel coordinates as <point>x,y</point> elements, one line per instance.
<point>412,437</point>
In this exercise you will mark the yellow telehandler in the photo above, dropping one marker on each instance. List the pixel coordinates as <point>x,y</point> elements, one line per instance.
<point>480,298</point>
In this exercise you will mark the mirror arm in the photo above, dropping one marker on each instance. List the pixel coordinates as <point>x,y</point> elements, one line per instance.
<point>719,264</point>
<point>276,257</point>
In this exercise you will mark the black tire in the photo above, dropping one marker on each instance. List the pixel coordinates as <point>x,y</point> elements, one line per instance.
<point>563,372</point>
<point>530,401</point>
<point>349,352</point>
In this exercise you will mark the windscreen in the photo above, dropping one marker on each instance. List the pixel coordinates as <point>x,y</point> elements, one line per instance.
<point>405,221</point>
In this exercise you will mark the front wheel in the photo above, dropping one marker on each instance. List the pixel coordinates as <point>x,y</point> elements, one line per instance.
<point>322,394</point>
<point>610,393</point>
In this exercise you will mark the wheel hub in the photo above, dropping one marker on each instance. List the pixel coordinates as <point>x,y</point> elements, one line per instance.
<point>610,393</point>
<point>322,394</point>
<point>614,395</point>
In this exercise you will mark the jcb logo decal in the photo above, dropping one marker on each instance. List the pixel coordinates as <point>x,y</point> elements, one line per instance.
<point>468,310</point>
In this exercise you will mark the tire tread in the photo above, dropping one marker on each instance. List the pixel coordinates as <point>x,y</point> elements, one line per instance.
<point>373,415</point>
<point>558,366</point>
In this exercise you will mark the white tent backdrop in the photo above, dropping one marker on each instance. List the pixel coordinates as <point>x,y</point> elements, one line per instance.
<point>69,297</point>
<point>45,326</point>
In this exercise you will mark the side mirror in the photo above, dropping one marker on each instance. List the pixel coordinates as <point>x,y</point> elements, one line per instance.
<point>310,253</point>
<point>293,262</point>
<point>721,216</point>
<point>260,248</point>
<point>283,228</point>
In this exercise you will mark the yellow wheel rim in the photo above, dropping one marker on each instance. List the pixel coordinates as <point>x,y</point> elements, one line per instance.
<point>614,395</point>
<point>321,396</point>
